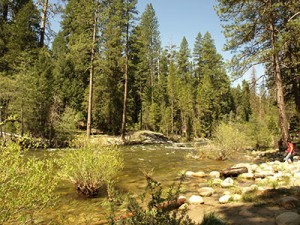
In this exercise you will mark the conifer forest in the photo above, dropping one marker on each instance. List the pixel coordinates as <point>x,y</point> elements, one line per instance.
<point>106,70</point>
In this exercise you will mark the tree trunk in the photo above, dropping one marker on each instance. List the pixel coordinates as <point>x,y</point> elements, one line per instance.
<point>280,101</point>
<point>44,19</point>
<point>296,94</point>
<point>5,12</point>
<point>283,123</point>
<point>89,116</point>
<point>125,83</point>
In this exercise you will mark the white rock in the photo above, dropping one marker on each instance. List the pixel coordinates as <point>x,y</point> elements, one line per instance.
<point>224,199</point>
<point>214,174</point>
<point>189,173</point>
<point>196,199</point>
<point>228,182</point>
<point>199,174</point>
<point>206,191</point>
<point>246,189</point>
<point>236,197</point>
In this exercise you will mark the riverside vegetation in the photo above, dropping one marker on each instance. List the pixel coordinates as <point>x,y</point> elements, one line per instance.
<point>105,72</point>
<point>94,166</point>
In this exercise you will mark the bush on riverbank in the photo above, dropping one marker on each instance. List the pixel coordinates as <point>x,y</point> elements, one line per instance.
<point>27,185</point>
<point>230,138</point>
<point>90,168</point>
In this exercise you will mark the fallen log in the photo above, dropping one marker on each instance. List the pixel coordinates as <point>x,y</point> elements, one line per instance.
<point>233,172</point>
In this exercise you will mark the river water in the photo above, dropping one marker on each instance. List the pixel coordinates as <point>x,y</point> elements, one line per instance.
<point>165,161</point>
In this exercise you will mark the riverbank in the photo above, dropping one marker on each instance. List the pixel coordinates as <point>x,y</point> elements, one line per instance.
<point>268,194</point>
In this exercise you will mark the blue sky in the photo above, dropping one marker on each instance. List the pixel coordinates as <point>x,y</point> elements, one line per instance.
<point>179,18</point>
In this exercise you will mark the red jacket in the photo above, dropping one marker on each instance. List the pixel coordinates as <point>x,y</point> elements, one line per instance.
<point>291,148</point>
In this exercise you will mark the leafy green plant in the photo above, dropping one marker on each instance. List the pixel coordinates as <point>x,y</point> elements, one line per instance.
<point>229,138</point>
<point>27,184</point>
<point>90,168</point>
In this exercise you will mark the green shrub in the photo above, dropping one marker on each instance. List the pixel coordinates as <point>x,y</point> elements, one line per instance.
<point>27,185</point>
<point>229,138</point>
<point>90,168</point>
<point>232,136</point>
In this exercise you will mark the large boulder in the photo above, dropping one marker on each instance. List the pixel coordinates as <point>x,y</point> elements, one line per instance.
<point>288,202</point>
<point>288,218</point>
<point>147,137</point>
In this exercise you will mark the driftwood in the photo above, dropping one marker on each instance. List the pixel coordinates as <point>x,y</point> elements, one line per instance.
<point>233,172</point>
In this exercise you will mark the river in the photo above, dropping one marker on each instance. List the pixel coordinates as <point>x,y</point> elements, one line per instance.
<point>166,161</point>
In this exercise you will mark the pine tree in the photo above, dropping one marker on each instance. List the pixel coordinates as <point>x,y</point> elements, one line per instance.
<point>149,51</point>
<point>254,29</point>
<point>20,32</point>
<point>173,95</point>
<point>129,16</point>
<point>205,106</point>
<point>197,57</point>
<point>109,84</point>
<point>186,89</point>
<point>245,102</point>
<point>212,67</point>
<point>74,55</point>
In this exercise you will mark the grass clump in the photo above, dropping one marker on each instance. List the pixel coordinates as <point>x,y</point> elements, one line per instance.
<point>90,168</point>
<point>27,185</point>
<point>250,196</point>
<point>212,219</point>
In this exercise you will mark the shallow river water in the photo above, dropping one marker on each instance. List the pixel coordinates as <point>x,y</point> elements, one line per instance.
<point>166,161</point>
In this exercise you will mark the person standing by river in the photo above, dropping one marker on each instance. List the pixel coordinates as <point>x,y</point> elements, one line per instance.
<point>290,152</point>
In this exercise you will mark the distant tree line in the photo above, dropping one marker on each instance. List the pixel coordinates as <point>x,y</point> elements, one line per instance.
<point>106,69</point>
